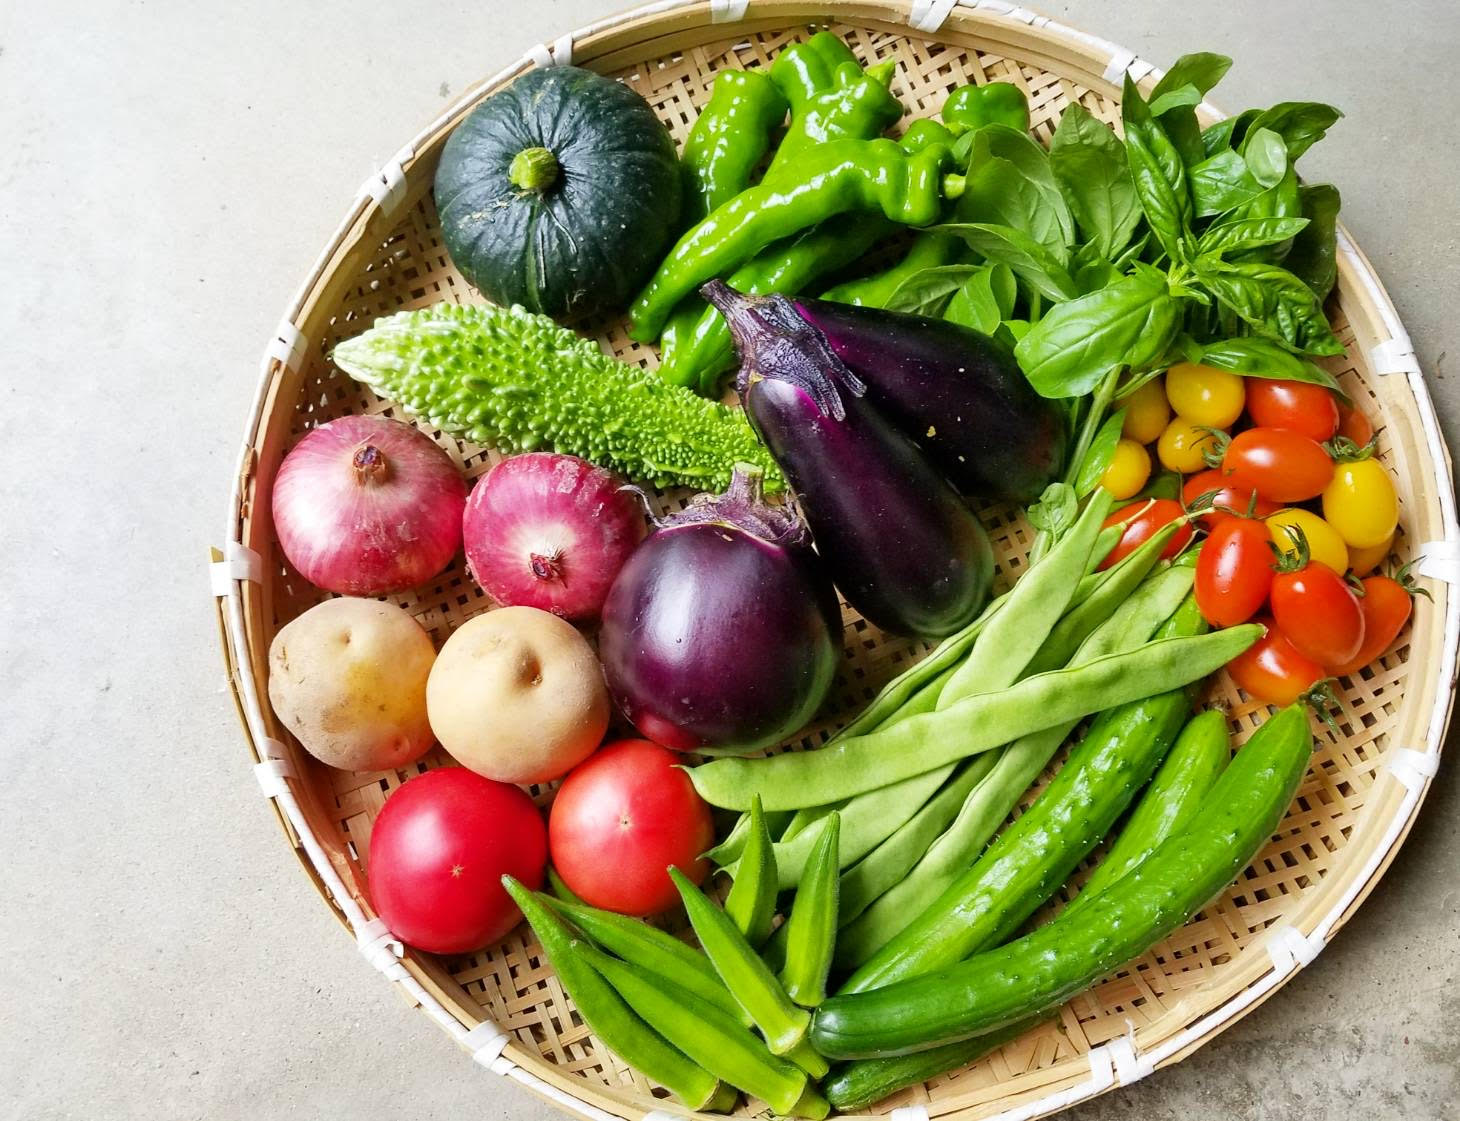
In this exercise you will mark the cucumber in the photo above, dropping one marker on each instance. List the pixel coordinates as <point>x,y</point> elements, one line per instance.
<point>1063,957</point>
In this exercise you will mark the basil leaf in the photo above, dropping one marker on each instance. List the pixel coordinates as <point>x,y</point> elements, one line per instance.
<point>1100,453</point>
<point>1313,259</point>
<point>1221,182</point>
<point>1091,270</point>
<point>975,305</point>
<point>1280,201</point>
<point>1301,124</point>
<point>1266,156</point>
<point>1182,97</point>
<point>1272,301</point>
<point>1219,137</point>
<point>1010,183</point>
<point>1197,72</point>
<point>1230,236</point>
<point>1158,171</point>
<point>1030,260</point>
<point>1260,358</point>
<point>1201,69</point>
<point>1012,330</point>
<point>1067,352</point>
<point>1055,511</point>
<point>927,291</point>
<point>1132,253</point>
<point>1089,164</point>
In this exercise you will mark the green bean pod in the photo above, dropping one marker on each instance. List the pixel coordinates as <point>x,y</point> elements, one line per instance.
<point>751,903</point>
<point>629,1037</point>
<point>705,1033</point>
<point>1176,793</point>
<point>653,949</point>
<point>1063,957</point>
<point>811,927</point>
<point>728,139</point>
<point>741,969</point>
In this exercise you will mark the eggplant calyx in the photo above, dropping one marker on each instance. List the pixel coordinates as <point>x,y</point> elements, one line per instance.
<point>743,507</point>
<point>776,344</point>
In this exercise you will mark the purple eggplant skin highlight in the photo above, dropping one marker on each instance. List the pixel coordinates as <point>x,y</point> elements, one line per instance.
<point>899,542</point>
<point>957,392</point>
<point>722,630</point>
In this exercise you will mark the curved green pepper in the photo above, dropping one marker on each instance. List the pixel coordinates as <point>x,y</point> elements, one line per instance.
<point>728,139</point>
<point>998,103</point>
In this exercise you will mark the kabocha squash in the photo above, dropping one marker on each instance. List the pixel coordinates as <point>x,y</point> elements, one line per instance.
<point>560,193</point>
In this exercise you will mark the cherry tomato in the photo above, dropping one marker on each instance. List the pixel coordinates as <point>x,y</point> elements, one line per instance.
<point>1130,467</point>
<point>1183,446</point>
<point>1233,571</point>
<point>1363,561</point>
<point>1354,425</point>
<point>1319,613</point>
<point>1141,521</point>
<point>1272,670</point>
<point>1146,412</point>
<point>1279,464</point>
<point>620,819</point>
<point>1361,504</point>
<point>1226,497</point>
<point>1386,604</point>
<point>1295,405</point>
<point>1324,543</point>
<point>438,852</point>
<point>1205,395</point>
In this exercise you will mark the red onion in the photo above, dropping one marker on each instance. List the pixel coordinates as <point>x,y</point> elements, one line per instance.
<point>550,531</point>
<point>366,506</point>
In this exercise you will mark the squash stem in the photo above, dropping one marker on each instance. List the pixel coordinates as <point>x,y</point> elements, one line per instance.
<point>533,169</point>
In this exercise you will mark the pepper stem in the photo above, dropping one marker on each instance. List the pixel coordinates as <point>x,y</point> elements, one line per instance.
<point>533,169</point>
<point>370,465</point>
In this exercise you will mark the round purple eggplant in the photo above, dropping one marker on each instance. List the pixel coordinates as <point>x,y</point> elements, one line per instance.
<point>957,392</point>
<point>898,540</point>
<point>722,630</point>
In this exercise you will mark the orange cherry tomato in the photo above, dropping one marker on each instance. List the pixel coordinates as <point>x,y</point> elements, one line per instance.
<point>1141,521</point>
<point>1279,464</point>
<point>1354,425</point>
<point>1295,405</point>
<point>1273,670</point>
<point>1318,612</point>
<point>1226,497</point>
<point>1386,604</point>
<point>1234,571</point>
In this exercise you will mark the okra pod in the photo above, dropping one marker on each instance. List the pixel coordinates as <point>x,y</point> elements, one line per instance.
<point>751,903</point>
<point>811,927</point>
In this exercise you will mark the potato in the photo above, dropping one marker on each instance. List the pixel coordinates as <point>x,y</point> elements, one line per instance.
<point>348,678</point>
<point>517,695</point>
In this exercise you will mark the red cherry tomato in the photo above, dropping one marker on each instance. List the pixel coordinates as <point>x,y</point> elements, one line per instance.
<point>1141,520</point>
<point>620,819</point>
<point>1234,571</point>
<point>438,852</point>
<point>1278,464</point>
<point>1295,405</point>
<point>1319,613</point>
<point>1386,604</point>
<point>1272,670</point>
<point>1227,496</point>
<point>1354,425</point>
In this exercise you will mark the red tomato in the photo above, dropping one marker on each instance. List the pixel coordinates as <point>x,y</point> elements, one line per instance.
<point>1227,497</point>
<point>620,819</point>
<point>438,852</point>
<point>1141,520</point>
<point>1295,405</point>
<point>1278,464</point>
<point>1272,670</point>
<point>1319,613</point>
<point>1234,571</point>
<point>1386,604</point>
<point>1354,425</point>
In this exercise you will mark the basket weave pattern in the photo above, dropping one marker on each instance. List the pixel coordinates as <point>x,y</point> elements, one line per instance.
<point>1352,810</point>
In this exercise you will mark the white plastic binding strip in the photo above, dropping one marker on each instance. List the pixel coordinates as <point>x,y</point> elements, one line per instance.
<point>728,11</point>
<point>271,774</point>
<point>1440,560</point>
<point>663,1115</point>
<point>928,15</point>
<point>388,185</point>
<point>238,563</point>
<point>1290,949</point>
<point>287,346</point>
<point>905,1113</point>
<point>486,1042</point>
<point>1023,15</point>
<point>1413,767</point>
<point>1125,62</point>
<point>559,53</point>
<point>1129,1064</point>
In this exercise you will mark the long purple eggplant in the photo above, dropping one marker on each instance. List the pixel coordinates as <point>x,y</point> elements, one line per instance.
<point>895,536</point>
<point>957,392</point>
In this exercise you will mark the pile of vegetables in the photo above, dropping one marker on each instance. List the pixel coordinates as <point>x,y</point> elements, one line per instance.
<point>1120,332</point>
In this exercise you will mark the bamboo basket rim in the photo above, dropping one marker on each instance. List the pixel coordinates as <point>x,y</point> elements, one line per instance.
<point>237,572</point>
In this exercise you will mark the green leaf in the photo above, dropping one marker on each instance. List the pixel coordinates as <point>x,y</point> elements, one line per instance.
<point>1219,137</point>
<point>1158,171</point>
<point>1089,163</point>
<point>1301,124</point>
<point>1198,73</point>
<point>1091,270</point>
<point>1279,201</point>
<point>1182,97</point>
<point>1056,510</point>
<point>1266,156</point>
<point>1010,183</point>
<point>1067,352</point>
<point>1255,357</point>
<point>1201,69</point>
<point>1313,258</point>
<point>1234,235</point>
<point>1222,182</point>
<point>1100,453</point>
<point>974,305</point>
<point>1273,302</point>
<point>1012,330</point>
<point>926,291</point>
<point>1030,260</point>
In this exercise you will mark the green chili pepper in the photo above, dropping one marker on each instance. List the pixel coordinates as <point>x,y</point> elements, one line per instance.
<point>751,903</point>
<point>653,949</point>
<point>802,70</point>
<point>728,140</point>
<point>831,179</point>
<point>927,250</point>
<point>969,108</point>
<point>831,97</point>
<point>625,1034</point>
<point>706,1034</point>
<point>744,974</point>
<point>811,927</point>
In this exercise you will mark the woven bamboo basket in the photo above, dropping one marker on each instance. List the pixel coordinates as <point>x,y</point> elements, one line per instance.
<point>505,1006</point>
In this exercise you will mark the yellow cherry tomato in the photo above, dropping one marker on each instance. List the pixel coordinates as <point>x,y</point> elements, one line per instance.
<point>1129,469</point>
<point>1324,543</point>
<point>1146,412</point>
<point>1361,504</point>
<point>1204,394</point>
<point>1183,446</point>
<point>1364,561</point>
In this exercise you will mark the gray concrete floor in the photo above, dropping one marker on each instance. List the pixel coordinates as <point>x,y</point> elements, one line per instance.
<point>170,171</point>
